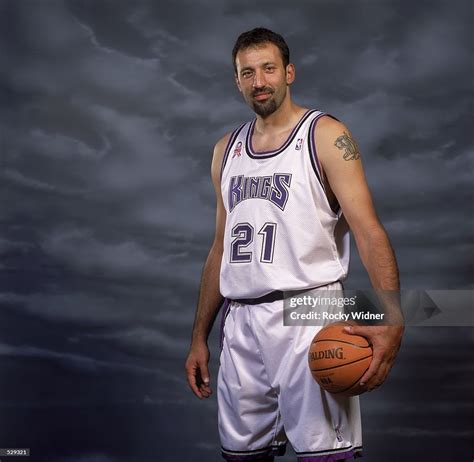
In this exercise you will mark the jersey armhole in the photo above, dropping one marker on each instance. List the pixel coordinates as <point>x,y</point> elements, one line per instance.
<point>231,141</point>
<point>313,155</point>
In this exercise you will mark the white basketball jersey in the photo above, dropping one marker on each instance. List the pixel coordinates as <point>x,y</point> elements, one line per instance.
<point>280,233</point>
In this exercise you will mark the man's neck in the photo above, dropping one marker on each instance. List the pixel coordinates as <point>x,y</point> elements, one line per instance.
<point>286,116</point>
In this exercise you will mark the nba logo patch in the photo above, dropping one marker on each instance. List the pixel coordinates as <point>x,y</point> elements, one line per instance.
<point>238,149</point>
<point>299,142</point>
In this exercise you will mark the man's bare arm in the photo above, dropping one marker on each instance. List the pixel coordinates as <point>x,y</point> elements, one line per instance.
<point>210,298</point>
<point>342,165</point>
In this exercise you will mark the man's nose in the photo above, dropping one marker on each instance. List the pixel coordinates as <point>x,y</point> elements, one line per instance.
<point>259,79</point>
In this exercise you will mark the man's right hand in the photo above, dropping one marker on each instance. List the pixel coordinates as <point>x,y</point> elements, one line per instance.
<point>197,370</point>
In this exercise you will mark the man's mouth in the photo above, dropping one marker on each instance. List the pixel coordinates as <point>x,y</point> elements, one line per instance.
<point>262,96</point>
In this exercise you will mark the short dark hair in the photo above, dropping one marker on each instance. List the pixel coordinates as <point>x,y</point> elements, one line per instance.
<point>259,36</point>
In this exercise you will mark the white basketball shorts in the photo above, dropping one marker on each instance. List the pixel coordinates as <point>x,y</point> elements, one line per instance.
<point>267,395</point>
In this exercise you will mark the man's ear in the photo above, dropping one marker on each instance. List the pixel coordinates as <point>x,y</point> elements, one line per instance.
<point>290,74</point>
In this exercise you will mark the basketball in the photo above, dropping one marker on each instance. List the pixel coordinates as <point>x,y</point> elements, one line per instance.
<point>338,360</point>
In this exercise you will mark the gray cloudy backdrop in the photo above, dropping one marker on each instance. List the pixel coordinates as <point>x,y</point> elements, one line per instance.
<point>109,111</point>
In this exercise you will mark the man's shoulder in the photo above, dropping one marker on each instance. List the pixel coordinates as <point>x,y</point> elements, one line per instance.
<point>223,142</point>
<point>329,122</point>
<point>328,127</point>
<point>219,151</point>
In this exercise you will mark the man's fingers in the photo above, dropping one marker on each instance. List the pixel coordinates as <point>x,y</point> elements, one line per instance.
<point>381,374</point>
<point>192,382</point>
<point>204,373</point>
<point>204,380</point>
<point>205,391</point>
<point>372,370</point>
<point>198,380</point>
<point>379,377</point>
<point>376,361</point>
<point>356,330</point>
<point>385,344</point>
<point>197,372</point>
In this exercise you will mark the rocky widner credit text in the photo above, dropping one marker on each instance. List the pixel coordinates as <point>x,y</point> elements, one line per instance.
<point>358,315</point>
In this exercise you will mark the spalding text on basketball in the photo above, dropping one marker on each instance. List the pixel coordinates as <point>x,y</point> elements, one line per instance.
<point>326,354</point>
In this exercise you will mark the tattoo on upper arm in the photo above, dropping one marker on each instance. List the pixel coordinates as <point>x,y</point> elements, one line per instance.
<point>348,145</point>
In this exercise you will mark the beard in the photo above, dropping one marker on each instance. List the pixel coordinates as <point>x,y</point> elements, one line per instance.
<point>268,107</point>
<point>265,108</point>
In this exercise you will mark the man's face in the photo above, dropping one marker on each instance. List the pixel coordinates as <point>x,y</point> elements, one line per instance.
<point>262,78</point>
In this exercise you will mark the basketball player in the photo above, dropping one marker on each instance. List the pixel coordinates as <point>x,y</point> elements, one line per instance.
<point>287,184</point>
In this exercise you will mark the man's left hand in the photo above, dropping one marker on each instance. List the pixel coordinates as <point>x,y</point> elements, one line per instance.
<point>385,342</point>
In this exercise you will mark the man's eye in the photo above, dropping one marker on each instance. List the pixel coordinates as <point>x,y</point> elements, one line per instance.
<point>246,74</point>
<point>270,68</point>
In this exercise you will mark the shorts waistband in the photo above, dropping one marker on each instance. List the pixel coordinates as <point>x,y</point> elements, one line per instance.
<point>278,295</point>
<point>267,298</point>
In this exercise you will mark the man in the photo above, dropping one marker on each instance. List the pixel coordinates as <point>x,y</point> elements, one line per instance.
<point>287,184</point>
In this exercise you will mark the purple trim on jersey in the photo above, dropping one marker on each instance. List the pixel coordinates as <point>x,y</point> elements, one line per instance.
<point>225,308</point>
<point>313,155</point>
<point>335,456</point>
<point>264,154</point>
<point>312,150</point>
<point>230,142</point>
<point>312,145</point>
